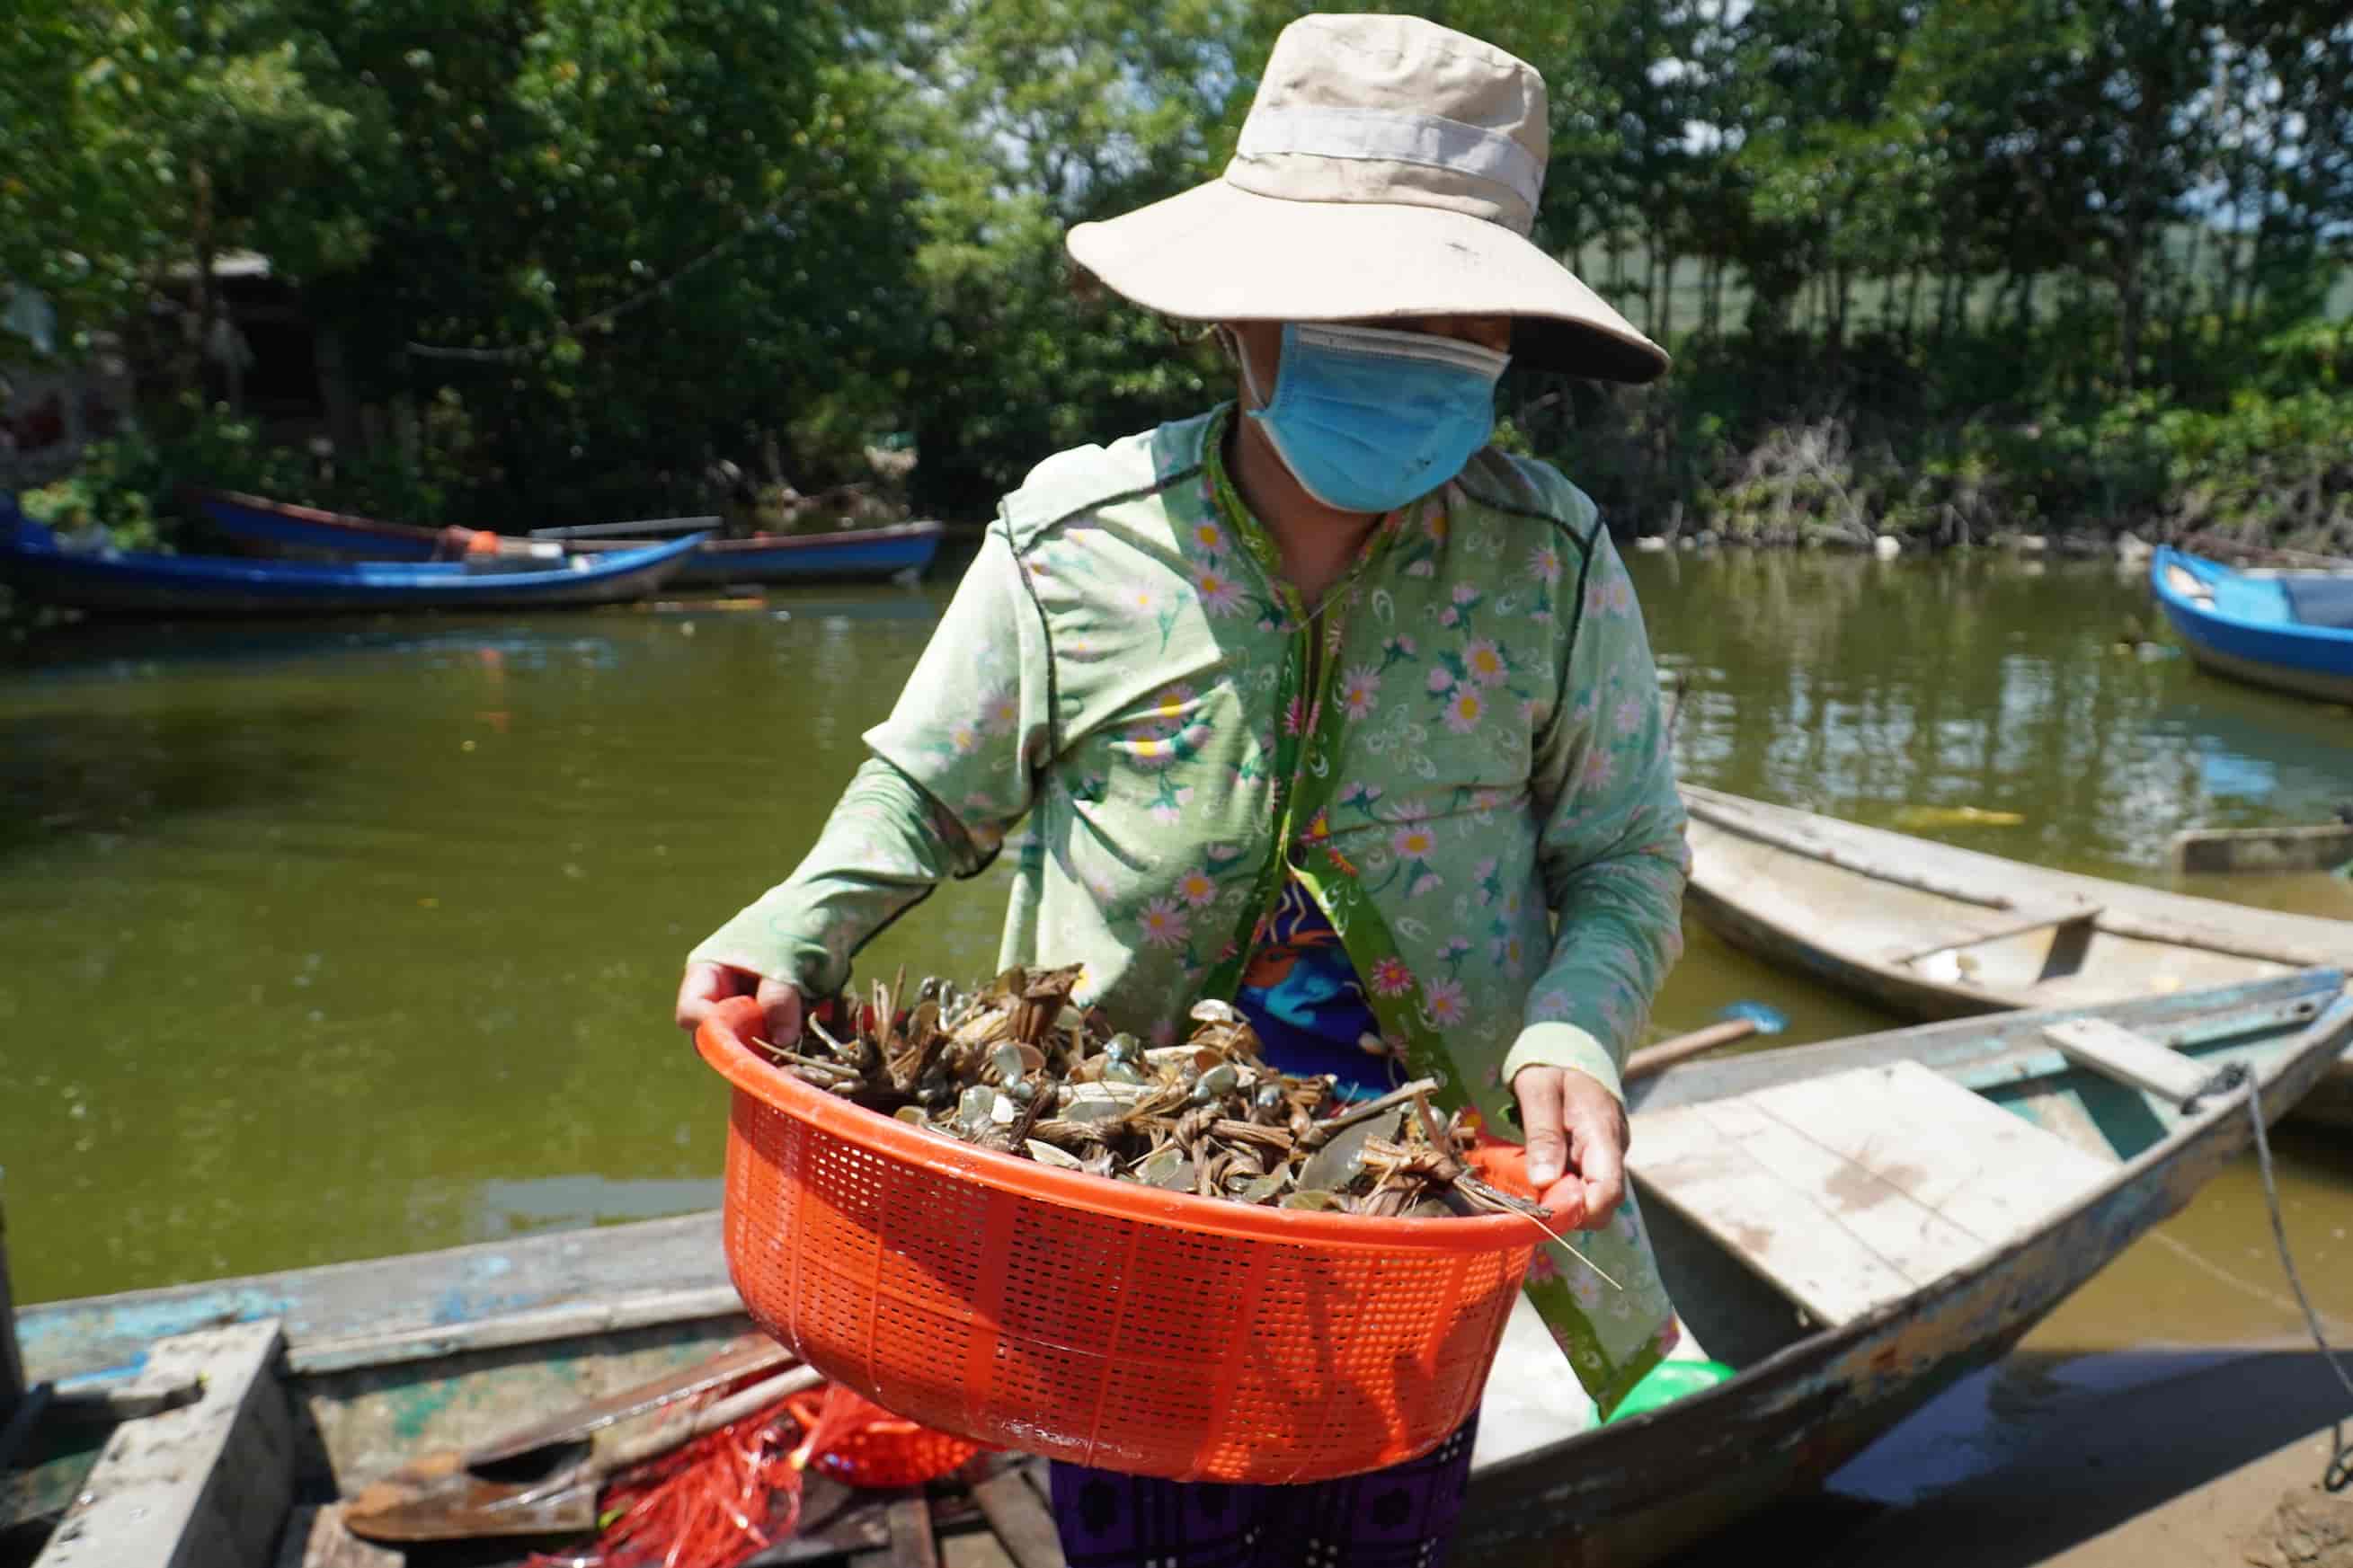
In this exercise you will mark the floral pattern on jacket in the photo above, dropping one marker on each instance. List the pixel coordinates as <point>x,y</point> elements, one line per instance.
<point>1477,786</point>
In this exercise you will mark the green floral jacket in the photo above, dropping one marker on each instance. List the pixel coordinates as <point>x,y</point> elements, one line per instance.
<point>1481,750</point>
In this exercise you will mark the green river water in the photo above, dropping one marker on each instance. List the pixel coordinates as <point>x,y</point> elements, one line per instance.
<point>329,942</point>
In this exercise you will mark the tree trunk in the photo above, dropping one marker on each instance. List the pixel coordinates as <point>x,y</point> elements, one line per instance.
<point>1666,311</point>
<point>201,179</point>
<point>2132,302</point>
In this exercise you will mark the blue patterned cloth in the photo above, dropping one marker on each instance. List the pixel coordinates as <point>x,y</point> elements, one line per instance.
<point>1303,996</point>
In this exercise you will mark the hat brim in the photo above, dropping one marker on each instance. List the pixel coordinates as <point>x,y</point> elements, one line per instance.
<point>1220,253</point>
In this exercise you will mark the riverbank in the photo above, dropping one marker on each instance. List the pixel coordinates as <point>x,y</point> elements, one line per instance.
<point>2127,548</point>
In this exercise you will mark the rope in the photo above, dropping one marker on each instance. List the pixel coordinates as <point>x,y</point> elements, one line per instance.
<point>2339,1472</point>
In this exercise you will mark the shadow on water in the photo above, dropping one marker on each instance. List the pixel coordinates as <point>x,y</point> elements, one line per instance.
<point>106,650</point>
<point>66,772</point>
<point>2047,1450</point>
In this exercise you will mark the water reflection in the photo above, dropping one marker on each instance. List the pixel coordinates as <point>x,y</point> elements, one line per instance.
<point>327,942</point>
<point>1863,688</point>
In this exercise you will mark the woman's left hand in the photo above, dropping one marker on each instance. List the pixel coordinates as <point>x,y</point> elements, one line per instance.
<point>1577,1143</point>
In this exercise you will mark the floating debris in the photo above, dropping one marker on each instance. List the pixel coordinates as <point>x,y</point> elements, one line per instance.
<point>1018,1067</point>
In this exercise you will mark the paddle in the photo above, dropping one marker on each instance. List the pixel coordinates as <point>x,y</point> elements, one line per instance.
<point>544,1477</point>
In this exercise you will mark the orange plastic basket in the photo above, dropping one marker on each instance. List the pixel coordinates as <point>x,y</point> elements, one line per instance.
<point>1111,1324</point>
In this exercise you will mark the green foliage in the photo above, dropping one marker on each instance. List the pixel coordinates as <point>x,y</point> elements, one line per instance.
<point>128,488</point>
<point>1944,266</point>
<point>134,486</point>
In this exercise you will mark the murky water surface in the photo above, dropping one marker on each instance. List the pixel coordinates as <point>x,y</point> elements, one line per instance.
<point>325,942</point>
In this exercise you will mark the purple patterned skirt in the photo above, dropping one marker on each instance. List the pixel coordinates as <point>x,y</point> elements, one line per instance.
<point>1402,1517</point>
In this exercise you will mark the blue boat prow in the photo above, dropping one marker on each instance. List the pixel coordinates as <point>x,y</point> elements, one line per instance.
<point>35,561</point>
<point>2292,631</point>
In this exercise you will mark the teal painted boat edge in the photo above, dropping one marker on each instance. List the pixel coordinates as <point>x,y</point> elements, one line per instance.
<point>1992,1050</point>
<point>105,1337</point>
<point>1661,1480</point>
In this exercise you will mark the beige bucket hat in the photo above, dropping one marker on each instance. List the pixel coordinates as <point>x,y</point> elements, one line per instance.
<point>1389,167</point>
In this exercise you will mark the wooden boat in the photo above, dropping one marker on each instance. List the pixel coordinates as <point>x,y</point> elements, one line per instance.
<point>860,554</point>
<point>1956,1183</point>
<point>1929,931</point>
<point>846,555</point>
<point>2320,846</point>
<point>32,560</point>
<point>2287,628</point>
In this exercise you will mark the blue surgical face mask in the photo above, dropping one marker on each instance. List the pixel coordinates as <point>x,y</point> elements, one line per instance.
<point>1368,419</point>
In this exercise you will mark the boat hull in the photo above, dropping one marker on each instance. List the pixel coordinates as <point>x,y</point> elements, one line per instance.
<point>1781,948</point>
<point>302,532</point>
<point>869,555</point>
<point>1783,904</point>
<point>212,586</point>
<point>1625,1496</point>
<point>848,555</point>
<point>397,1356</point>
<point>2283,655</point>
<point>2270,673</point>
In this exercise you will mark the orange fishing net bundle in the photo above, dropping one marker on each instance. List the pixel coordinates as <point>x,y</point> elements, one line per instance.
<point>715,1501</point>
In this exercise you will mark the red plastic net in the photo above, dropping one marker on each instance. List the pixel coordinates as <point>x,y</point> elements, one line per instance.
<point>718,1499</point>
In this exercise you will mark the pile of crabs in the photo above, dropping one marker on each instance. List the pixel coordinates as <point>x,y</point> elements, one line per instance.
<point>1018,1067</point>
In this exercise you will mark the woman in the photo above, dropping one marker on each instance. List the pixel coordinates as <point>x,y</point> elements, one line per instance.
<point>1316,702</point>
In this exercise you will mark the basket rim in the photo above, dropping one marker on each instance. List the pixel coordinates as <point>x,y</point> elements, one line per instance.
<point>719,1040</point>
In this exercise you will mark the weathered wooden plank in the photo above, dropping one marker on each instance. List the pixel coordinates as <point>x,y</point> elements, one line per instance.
<point>836,1523</point>
<point>1918,1242</point>
<point>1992,1173</point>
<point>572,1321</point>
<point>315,1538</point>
<point>2322,847</point>
<point>205,1486</point>
<point>2115,1052</point>
<point>1784,1234</point>
<point>1020,1520</point>
<point>1999,1048</point>
<point>911,1542</point>
<point>621,1271</point>
<point>2029,922</point>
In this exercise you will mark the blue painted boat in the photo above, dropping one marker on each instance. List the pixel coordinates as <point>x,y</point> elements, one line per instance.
<point>33,560</point>
<point>1954,1183</point>
<point>2288,629</point>
<point>858,554</point>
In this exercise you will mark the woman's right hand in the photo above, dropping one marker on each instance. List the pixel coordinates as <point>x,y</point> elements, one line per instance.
<point>705,985</point>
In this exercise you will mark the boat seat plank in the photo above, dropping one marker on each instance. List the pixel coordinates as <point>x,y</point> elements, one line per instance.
<point>1916,1241</point>
<point>1785,1233</point>
<point>1021,1522</point>
<point>1992,1173</point>
<point>2115,1052</point>
<point>202,1486</point>
<point>2027,921</point>
<point>1853,1190</point>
